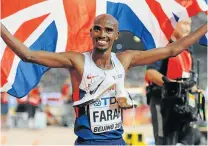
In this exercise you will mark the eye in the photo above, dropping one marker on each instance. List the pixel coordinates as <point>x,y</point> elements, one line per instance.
<point>109,30</point>
<point>96,28</point>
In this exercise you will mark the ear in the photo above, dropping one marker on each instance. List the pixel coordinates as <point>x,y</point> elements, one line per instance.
<point>91,32</point>
<point>117,35</point>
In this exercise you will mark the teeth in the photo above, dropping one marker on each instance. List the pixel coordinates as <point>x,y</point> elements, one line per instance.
<point>102,42</point>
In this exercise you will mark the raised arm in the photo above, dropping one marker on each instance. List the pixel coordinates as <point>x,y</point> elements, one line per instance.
<point>49,59</point>
<point>153,55</point>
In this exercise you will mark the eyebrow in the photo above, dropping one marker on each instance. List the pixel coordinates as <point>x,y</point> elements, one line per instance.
<point>97,26</point>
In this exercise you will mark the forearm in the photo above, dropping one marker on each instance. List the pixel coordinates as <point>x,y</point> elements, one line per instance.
<point>17,47</point>
<point>187,41</point>
<point>156,77</point>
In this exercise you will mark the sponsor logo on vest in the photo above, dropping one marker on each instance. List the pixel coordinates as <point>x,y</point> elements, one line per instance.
<point>93,91</point>
<point>105,101</point>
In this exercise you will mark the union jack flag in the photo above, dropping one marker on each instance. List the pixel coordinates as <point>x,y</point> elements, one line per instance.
<point>62,25</point>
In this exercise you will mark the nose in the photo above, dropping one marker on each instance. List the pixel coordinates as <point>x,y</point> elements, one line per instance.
<point>103,33</point>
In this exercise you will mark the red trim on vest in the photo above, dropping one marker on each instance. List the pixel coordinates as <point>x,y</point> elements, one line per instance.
<point>76,97</point>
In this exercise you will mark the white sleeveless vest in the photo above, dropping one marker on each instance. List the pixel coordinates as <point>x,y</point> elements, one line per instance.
<point>104,114</point>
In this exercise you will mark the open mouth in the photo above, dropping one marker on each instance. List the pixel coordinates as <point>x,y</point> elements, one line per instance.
<point>102,42</point>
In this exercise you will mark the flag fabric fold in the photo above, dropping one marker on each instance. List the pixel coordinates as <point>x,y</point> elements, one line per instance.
<point>63,25</point>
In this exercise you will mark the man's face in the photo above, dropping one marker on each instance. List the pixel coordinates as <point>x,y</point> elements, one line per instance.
<point>183,28</point>
<point>104,32</point>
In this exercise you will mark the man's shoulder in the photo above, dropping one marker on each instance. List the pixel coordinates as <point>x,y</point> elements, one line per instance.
<point>122,55</point>
<point>125,53</point>
<point>128,54</point>
<point>73,54</point>
<point>125,57</point>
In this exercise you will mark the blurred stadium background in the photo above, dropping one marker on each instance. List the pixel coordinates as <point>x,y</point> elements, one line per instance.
<point>56,82</point>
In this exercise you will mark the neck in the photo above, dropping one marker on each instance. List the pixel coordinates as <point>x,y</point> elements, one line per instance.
<point>102,59</point>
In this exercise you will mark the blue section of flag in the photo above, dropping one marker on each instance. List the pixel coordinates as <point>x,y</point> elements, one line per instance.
<point>176,17</point>
<point>129,21</point>
<point>29,74</point>
<point>203,41</point>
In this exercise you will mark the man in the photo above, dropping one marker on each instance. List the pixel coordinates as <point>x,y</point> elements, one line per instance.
<point>100,122</point>
<point>178,67</point>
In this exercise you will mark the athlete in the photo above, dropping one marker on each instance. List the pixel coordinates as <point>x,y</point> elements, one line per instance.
<point>97,74</point>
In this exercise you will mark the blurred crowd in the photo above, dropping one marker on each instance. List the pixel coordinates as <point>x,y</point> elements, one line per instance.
<point>37,110</point>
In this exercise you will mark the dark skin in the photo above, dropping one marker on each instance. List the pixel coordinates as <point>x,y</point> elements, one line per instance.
<point>103,33</point>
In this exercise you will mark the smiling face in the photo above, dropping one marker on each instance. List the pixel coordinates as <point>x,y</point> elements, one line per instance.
<point>104,32</point>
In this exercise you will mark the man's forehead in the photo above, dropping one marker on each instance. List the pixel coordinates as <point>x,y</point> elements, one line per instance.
<point>106,21</point>
<point>105,24</point>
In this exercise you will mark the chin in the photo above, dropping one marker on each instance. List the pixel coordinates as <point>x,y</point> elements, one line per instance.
<point>101,49</point>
